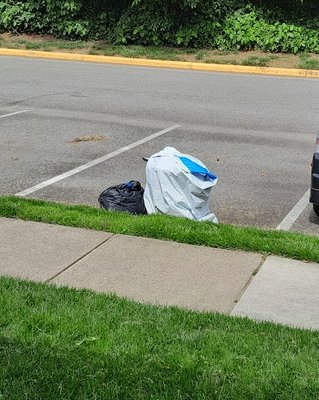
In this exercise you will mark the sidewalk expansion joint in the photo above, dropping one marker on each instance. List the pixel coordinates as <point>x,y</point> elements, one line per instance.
<point>79,259</point>
<point>255,272</point>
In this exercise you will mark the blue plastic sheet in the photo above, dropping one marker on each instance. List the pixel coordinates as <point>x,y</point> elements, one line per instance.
<point>197,169</point>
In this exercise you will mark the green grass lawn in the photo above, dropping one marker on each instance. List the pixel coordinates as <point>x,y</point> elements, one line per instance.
<point>182,230</point>
<point>58,343</point>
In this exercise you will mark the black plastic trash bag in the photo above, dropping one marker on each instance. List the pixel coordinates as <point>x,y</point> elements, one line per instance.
<point>126,197</point>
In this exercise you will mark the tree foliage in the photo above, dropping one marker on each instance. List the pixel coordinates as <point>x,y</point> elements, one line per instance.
<point>286,25</point>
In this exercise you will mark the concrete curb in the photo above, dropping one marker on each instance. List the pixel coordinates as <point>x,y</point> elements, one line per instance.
<point>142,62</point>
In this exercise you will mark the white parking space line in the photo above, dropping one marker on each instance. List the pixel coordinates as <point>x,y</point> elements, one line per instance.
<point>292,217</point>
<point>92,163</point>
<point>13,113</point>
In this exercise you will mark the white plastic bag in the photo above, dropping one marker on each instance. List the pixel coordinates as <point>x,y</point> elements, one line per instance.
<point>178,184</point>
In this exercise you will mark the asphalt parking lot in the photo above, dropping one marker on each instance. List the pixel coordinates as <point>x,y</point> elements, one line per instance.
<point>256,133</point>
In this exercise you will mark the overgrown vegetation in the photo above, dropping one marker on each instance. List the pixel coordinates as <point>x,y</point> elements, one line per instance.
<point>285,26</point>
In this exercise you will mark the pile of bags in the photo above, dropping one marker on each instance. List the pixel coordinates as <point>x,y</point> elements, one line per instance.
<point>176,184</point>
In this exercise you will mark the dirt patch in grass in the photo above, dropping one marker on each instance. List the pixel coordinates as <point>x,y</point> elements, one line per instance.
<point>251,58</point>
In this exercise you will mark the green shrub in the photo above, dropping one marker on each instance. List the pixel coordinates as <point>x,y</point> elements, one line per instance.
<point>248,30</point>
<point>286,26</point>
<point>142,26</point>
<point>199,35</point>
<point>186,23</point>
<point>73,19</point>
<point>55,17</point>
<point>18,17</point>
<point>220,24</point>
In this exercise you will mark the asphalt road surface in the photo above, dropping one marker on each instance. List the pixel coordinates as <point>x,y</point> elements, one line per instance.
<point>257,133</point>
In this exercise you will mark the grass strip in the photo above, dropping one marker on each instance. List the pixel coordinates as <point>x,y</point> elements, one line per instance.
<point>288,244</point>
<point>210,56</point>
<point>59,343</point>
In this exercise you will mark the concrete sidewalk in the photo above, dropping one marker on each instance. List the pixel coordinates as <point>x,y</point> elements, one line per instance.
<point>160,272</point>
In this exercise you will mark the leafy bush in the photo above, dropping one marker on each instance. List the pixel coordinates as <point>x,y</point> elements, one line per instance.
<point>55,17</point>
<point>141,26</point>
<point>248,30</point>
<point>63,18</point>
<point>286,26</point>
<point>201,34</point>
<point>225,24</point>
<point>187,23</point>
<point>18,17</point>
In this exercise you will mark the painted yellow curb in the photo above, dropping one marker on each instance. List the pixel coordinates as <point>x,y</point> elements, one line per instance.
<point>142,62</point>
